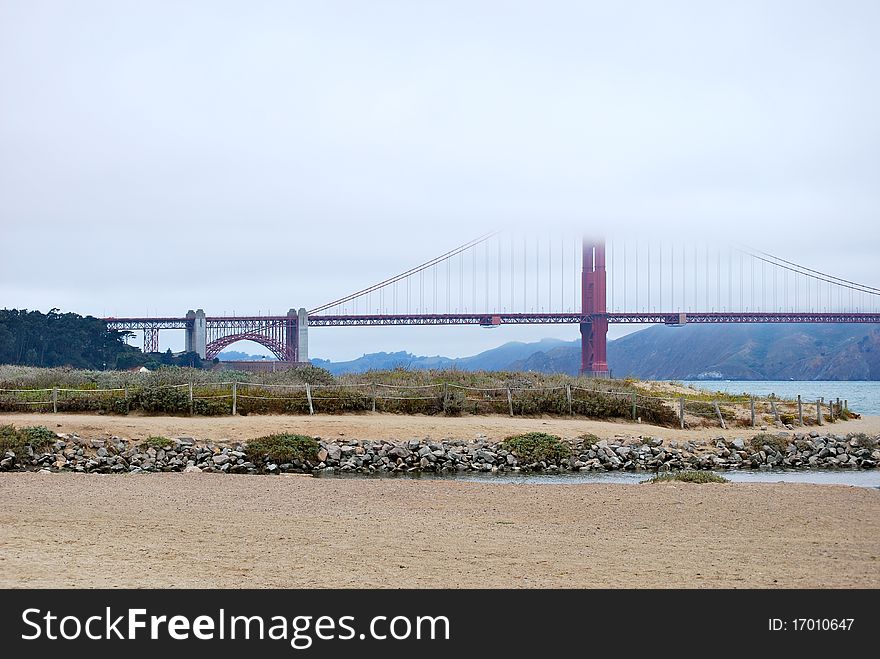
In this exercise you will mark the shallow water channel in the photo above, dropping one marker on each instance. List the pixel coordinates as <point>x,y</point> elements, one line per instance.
<point>856,478</point>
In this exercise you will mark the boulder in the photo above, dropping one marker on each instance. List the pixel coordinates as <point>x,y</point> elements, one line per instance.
<point>400,452</point>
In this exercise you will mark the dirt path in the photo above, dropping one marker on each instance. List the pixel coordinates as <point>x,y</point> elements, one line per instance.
<point>376,426</point>
<point>203,530</point>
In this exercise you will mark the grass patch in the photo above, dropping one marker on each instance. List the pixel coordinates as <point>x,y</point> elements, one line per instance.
<point>156,443</point>
<point>688,477</point>
<point>536,447</point>
<point>17,439</point>
<point>282,448</point>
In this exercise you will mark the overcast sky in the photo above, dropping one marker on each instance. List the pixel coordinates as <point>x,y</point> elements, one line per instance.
<point>161,156</point>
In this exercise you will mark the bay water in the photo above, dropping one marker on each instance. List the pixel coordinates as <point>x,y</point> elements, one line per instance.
<point>862,396</point>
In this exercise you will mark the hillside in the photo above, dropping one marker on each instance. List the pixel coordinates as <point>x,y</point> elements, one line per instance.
<point>750,352</point>
<point>496,359</point>
<point>733,352</point>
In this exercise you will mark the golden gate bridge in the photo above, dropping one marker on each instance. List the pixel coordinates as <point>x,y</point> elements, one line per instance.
<point>503,279</point>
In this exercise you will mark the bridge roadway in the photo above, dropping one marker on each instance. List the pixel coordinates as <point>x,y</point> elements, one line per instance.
<point>287,336</point>
<point>494,319</point>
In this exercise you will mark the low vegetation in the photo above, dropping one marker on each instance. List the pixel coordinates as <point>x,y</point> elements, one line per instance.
<point>282,448</point>
<point>39,438</point>
<point>166,391</point>
<point>435,392</point>
<point>156,443</point>
<point>688,477</point>
<point>536,447</point>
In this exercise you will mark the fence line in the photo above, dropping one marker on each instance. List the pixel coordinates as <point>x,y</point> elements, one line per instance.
<point>271,386</point>
<point>500,396</point>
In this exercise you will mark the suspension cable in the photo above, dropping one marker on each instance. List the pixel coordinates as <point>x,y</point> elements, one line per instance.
<point>411,271</point>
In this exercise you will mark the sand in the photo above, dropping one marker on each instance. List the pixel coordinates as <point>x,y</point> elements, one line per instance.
<point>378,426</point>
<point>211,530</point>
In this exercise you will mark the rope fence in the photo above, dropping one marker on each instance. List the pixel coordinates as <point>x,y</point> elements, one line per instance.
<point>216,398</point>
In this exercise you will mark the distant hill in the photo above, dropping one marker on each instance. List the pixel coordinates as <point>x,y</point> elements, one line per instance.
<point>236,356</point>
<point>692,352</point>
<point>496,359</point>
<point>750,352</point>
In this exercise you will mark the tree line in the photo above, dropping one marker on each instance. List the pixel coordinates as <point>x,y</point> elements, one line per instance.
<point>32,338</point>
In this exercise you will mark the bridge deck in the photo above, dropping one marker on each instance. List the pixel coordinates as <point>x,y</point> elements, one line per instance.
<point>493,319</point>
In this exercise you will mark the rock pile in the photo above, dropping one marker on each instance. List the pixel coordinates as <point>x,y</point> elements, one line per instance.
<point>184,454</point>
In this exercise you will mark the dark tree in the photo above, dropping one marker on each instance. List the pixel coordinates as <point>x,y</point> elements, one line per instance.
<point>32,338</point>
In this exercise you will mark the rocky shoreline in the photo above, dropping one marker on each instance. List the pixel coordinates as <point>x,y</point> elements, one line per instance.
<point>813,450</point>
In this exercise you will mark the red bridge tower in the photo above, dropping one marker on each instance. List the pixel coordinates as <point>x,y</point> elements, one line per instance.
<point>594,359</point>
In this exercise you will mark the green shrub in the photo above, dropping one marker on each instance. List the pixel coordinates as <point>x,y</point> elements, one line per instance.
<point>337,400</point>
<point>282,448</point>
<point>156,443</point>
<point>17,439</point>
<point>588,440</point>
<point>455,403</point>
<point>536,447</point>
<point>162,400</point>
<point>688,477</point>
<point>603,405</point>
<point>256,400</point>
<point>532,403</point>
<point>211,406</point>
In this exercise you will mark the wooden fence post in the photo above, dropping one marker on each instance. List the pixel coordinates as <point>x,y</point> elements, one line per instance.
<point>681,411</point>
<point>718,412</point>
<point>635,407</point>
<point>373,392</point>
<point>190,397</point>
<point>445,396</point>
<point>831,408</point>
<point>819,412</point>
<point>510,401</point>
<point>568,396</point>
<point>309,397</point>
<point>752,405</point>
<point>800,410</point>
<point>55,400</point>
<point>234,397</point>
<point>775,411</point>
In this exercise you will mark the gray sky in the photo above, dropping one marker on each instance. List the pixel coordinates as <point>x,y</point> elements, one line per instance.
<point>161,156</point>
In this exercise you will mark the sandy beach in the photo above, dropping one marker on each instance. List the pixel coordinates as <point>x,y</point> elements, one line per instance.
<point>380,426</point>
<point>212,530</point>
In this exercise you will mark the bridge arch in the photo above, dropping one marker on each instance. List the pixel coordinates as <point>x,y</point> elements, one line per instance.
<point>276,347</point>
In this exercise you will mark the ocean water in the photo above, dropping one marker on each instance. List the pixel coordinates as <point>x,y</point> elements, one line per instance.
<point>863,397</point>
